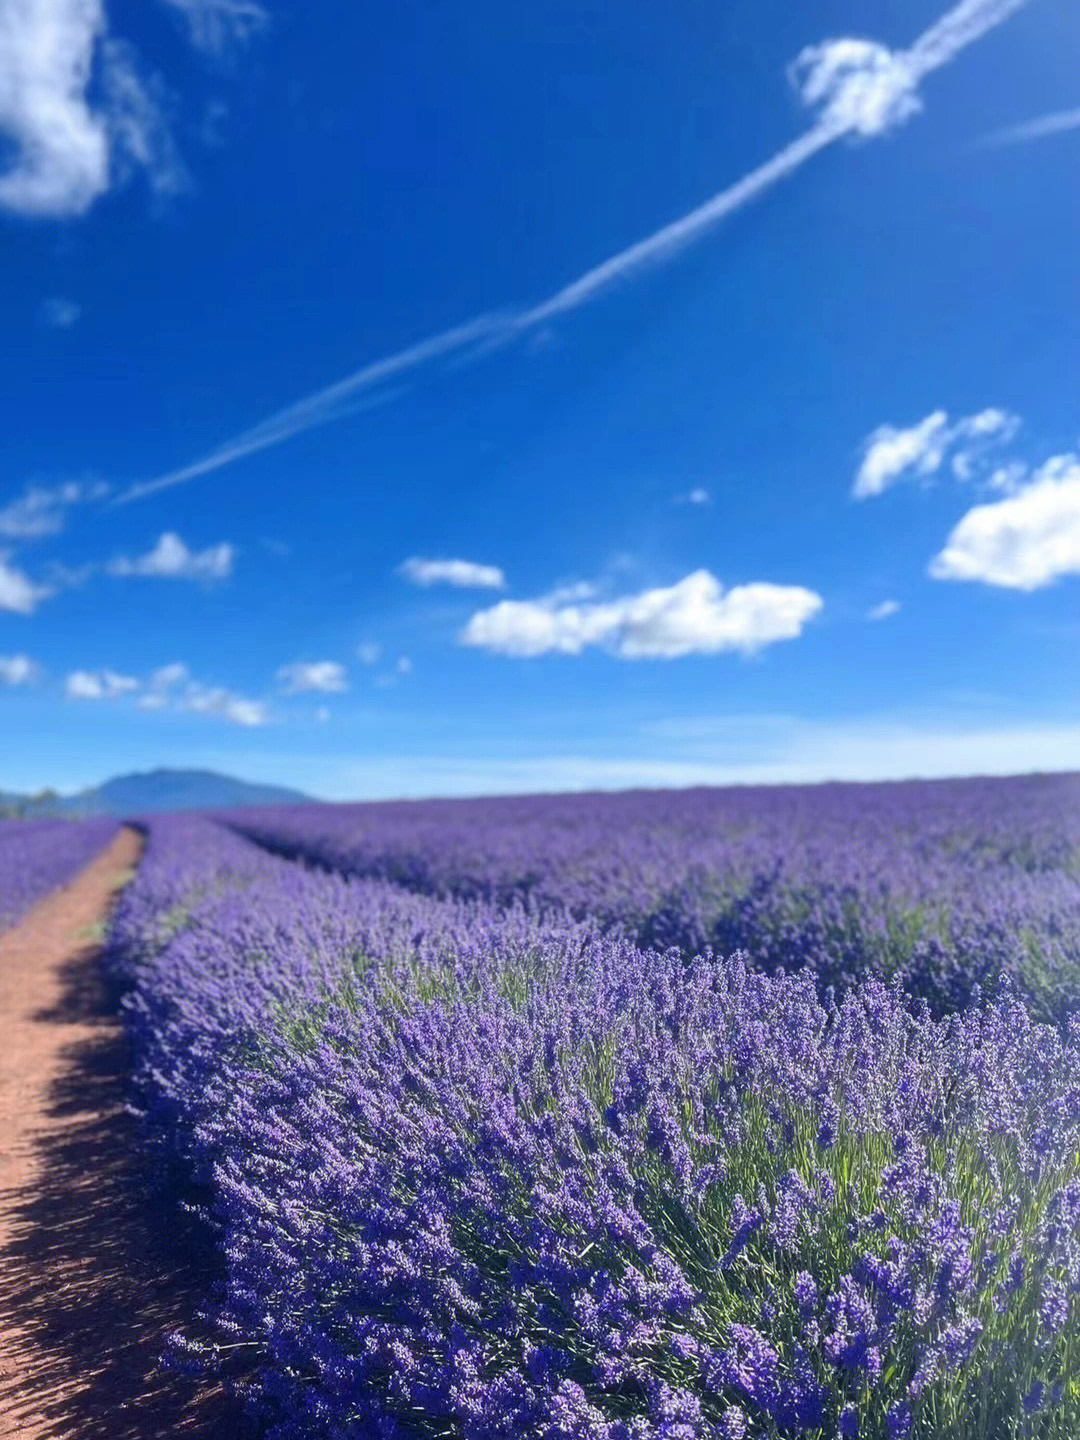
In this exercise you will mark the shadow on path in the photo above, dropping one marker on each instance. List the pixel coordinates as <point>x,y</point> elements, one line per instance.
<point>98,1268</point>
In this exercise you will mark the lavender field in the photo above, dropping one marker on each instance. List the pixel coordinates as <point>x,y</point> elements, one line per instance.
<point>946,885</point>
<point>38,855</point>
<point>637,1117</point>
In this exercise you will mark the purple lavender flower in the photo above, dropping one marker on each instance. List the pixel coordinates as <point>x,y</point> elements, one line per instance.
<point>1054,1307</point>
<point>1034,1399</point>
<point>805,1292</point>
<point>848,1424</point>
<point>898,1420</point>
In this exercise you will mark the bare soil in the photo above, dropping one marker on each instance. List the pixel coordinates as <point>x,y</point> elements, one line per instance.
<point>96,1267</point>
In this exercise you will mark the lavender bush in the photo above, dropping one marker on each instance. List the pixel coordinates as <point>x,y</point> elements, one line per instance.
<point>38,855</point>
<point>485,1170</point>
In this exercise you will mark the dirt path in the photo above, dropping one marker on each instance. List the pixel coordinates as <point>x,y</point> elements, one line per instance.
<point>88,1262</point>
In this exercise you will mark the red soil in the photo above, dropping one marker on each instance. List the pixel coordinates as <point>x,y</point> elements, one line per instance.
<point>93,1270</point>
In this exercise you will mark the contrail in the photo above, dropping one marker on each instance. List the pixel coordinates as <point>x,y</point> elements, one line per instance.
<point>342,398</point>
<point>882,94</point>
<point>672,238</point>
<point>960,27</point>
<point>1055,124</point>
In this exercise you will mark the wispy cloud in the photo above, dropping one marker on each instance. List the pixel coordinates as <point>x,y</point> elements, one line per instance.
<point>171,559</point>
<point>77,113</point>
<point>464,574</point>
<point>18,592</point>
<point>857,88</point>
<point>324,676</point>
<point>883,611</point>
<point>18,670</point>
<point>215,24</point>
<point>99,685</point>
<point>1058,123</point>
<point>215,700</point>
<point>696,616</point>
<point>891,454</point>
<point>1025,541</point>
<point>170,687</point>
<point>42,509</point>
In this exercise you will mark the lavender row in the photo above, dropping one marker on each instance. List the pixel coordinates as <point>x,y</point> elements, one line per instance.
<point>36,856</point>
<point>482,1175</point>
<point>947,885</point>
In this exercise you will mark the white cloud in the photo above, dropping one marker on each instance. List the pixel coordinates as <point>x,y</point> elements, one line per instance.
<point>42,509</point>
<point>83,685</point>
<point>697,496</point>
<point>59,313</point>
<point>169,688</point>
<point>1055,124</point>
<point>404,665</point>
<point>858,86</point>
<point>61,144</point>
<point>172,687</point>
<point>892,453</point>
<point>17,670</point>
<point>369,652</point>
<point>170,559</point>
<point>75,112</point>
<point>118,684</point>
<point>99,685</point>
<point>216,700</point>
<point>166,676</point>
<point>1023,542</point>
<point>327,676</point>
<point>975,436</point>
<point>465,574</point>
<point>18,592</point>
<point>694,617</point>
<point>161,688</point>
<point>884,610</point>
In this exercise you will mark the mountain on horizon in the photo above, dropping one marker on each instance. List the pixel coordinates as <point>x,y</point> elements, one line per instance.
<point>151,790</point>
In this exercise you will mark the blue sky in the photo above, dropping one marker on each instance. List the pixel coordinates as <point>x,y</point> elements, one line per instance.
<point>420,398</point>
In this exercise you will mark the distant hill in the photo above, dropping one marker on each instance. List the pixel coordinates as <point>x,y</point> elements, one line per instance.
<point>152,790</point>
